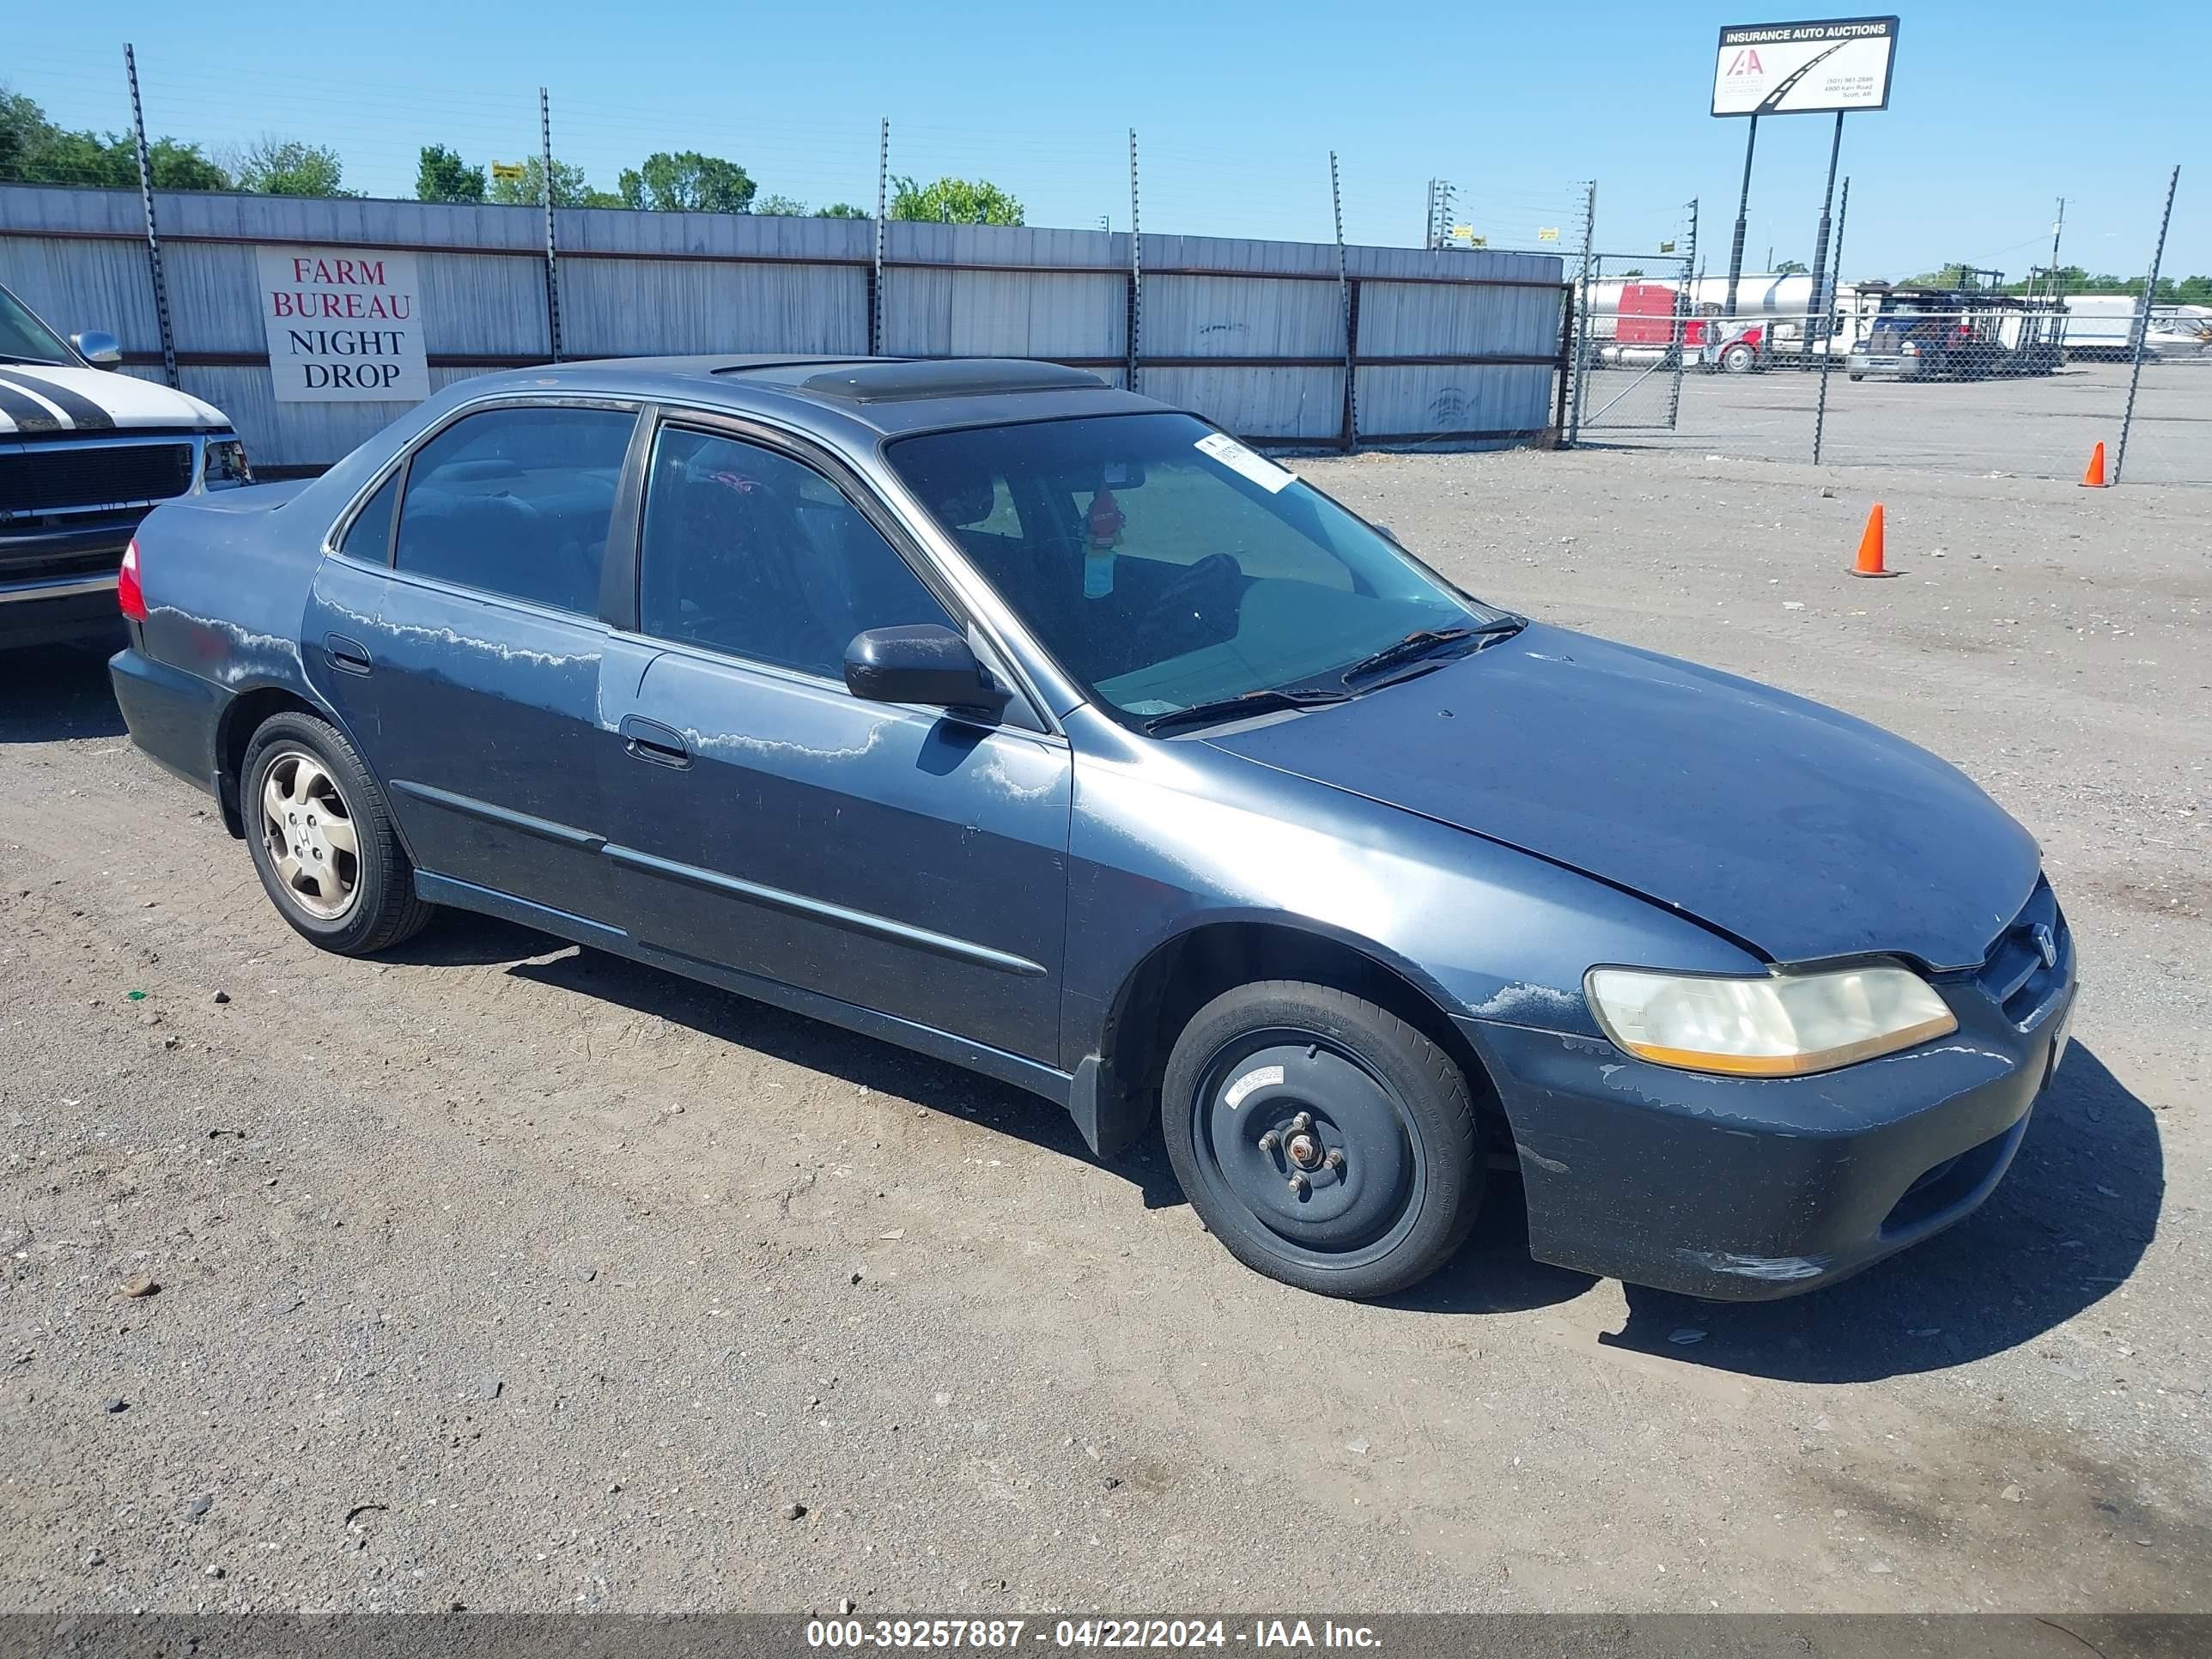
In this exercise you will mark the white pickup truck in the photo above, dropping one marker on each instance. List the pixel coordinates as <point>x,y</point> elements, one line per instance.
<point>85,454</point>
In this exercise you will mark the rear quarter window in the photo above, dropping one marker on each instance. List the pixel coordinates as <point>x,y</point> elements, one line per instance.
<point>369,537</point>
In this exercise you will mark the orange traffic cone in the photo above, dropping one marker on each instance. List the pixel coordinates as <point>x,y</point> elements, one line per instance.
<point>2095,477</point>
<point>1869,562</point>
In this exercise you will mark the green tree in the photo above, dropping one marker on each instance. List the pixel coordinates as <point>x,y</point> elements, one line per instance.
<point>34,149</point>
<point>292,167</point>
<point>687,182</point>
<point>180,167</point>
<point>954,201</point>
<point>442,176</point>
<point>778,204</point>
<point>842,210</point>
<point>569,188</point>
<point>1792,268</point>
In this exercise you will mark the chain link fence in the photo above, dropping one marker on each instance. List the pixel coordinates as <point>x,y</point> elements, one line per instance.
<point>1970,372</point>
<point>1641,337</point>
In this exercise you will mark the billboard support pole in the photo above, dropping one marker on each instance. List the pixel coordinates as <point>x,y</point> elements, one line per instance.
<point>1817,306</point>
<point>1743,211</point>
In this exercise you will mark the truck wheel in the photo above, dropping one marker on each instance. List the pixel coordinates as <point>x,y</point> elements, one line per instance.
<point>1739,359</point>
<point>323,840</point>
<point>1858,377</point>
<point>1323,1140</point>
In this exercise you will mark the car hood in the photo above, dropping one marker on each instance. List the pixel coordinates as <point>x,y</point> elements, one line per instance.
<point>1801,831</point>
<point>48,400</point>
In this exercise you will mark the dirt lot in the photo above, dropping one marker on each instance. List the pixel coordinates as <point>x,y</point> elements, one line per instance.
<point>503,1275</point>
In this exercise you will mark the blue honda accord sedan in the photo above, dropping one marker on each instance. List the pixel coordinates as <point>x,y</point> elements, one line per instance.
<point>983,708</point>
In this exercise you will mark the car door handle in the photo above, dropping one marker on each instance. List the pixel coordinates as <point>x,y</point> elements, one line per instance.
<point>351,655</point>
<point>649,741</point>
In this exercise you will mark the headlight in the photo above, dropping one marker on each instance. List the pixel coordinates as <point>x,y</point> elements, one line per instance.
<point>1774,1025</point>
<point>226,464</point>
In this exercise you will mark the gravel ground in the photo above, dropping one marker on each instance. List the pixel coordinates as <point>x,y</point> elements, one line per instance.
<point>503,1275</point>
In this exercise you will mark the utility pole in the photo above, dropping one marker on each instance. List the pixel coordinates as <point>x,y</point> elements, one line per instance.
<point>2143,324</point>
<point>1827,358</point>
<point>153,236</point>
<point>883,188</point>
<point>1136,268</point>
<point>2058,226</point>
<point>1344,298</point>
<point>552,265</point>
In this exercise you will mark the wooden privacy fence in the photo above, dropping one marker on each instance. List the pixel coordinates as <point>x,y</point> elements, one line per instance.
<point>1400,346</point>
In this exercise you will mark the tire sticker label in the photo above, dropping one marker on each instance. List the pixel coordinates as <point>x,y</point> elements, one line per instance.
<point>1260,1076</point>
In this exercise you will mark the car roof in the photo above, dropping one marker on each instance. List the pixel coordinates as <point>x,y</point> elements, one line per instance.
<point>850,397</point>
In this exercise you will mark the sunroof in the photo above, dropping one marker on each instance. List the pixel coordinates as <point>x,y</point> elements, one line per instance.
<point>891,382</point>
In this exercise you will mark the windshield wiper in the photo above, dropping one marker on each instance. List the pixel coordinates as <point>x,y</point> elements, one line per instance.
<point>1264,701</point>
<point>1424,642</point>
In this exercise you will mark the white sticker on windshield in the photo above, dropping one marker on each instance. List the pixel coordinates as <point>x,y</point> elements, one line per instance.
<point>1237,459</point>
<point>1260,1076</point>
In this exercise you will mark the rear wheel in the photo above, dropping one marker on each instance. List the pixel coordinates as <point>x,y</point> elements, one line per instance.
<point>1322,1140</point>
<point>322,839</point>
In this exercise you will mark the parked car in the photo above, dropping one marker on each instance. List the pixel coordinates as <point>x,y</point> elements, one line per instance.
<point>83,455</point>
<point>985,709</point>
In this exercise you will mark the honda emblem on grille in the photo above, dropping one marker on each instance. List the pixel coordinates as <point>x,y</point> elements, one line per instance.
<point>2047,942</point>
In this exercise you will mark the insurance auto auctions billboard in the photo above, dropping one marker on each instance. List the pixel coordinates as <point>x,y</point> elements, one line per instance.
<point>1797,68</point>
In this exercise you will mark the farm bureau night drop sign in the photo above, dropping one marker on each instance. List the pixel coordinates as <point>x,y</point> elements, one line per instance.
<point>344,325</point>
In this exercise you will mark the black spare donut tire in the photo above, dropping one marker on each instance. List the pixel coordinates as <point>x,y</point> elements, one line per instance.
<point>1325,1141</point>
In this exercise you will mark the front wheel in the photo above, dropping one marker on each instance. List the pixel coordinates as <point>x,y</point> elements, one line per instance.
<point>1739,360</point>
<point>1322,1140</point>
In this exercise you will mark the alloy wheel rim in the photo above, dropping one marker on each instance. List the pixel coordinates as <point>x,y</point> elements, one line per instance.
<point>309,835</point>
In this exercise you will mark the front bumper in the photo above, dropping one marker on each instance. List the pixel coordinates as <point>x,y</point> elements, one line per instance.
<point>1746,1190</point>
<point>58,582</point>
<point>1885,366</point>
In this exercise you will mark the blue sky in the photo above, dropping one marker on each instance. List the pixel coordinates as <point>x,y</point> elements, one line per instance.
<point>1996,110</point>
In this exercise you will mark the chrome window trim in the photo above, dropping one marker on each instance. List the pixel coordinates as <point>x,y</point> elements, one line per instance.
<point>334,532</point>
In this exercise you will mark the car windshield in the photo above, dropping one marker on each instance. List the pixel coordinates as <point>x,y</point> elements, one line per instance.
<point>26,339</point>
<point>1166,566</point>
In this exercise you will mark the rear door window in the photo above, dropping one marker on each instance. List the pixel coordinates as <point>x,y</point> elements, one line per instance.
<point>517,501</point>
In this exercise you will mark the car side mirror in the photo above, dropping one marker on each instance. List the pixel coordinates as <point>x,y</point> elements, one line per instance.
<point>101,350</point>
<point>924,663</point>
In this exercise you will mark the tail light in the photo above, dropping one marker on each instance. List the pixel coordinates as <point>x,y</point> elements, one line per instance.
<point>130,598</point>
